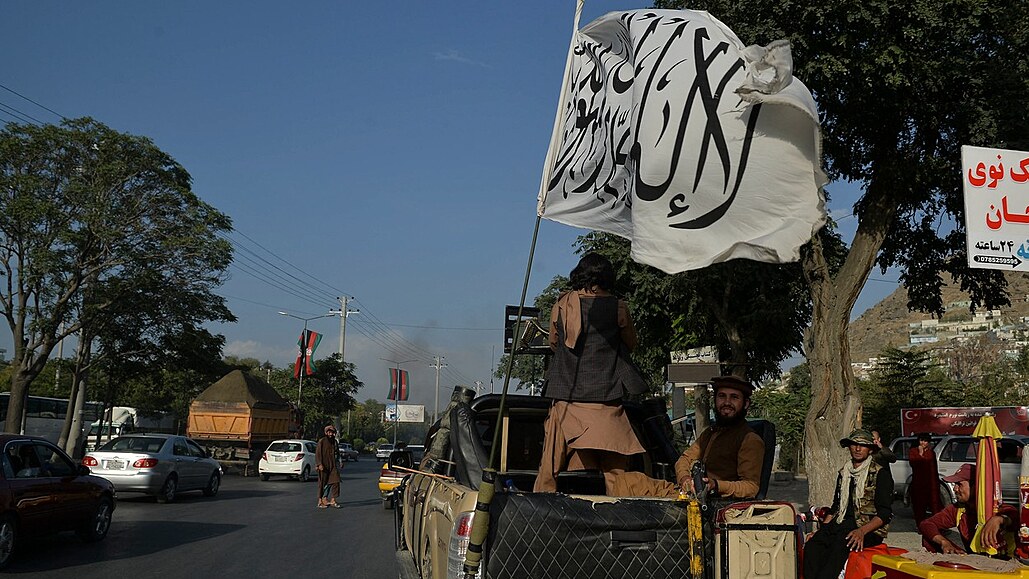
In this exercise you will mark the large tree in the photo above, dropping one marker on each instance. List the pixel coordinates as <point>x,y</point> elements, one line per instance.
<point>92,219</point>
<point>900,86</point>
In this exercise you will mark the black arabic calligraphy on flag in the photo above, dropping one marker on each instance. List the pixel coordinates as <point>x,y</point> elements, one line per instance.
<point>674,135</point>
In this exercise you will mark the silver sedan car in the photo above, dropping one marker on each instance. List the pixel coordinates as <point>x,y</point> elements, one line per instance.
<point>162,465</point>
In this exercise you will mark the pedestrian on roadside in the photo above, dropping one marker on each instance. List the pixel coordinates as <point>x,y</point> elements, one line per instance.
<point>327,459</point>
<point>925,479</point>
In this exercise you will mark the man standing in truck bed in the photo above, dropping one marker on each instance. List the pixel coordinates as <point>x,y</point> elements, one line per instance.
<point>732,452</point>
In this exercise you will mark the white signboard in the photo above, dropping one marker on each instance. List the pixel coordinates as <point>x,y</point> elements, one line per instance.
<point>996,189</point>
<point>408,413</point>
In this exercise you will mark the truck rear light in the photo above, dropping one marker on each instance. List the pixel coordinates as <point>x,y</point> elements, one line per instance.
<point>89,461</point>
<point>299,457</point>
<point>145,463</point>
<point>459,545</point>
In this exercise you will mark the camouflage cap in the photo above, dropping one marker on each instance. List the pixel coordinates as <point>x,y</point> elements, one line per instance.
<point>860,437</point>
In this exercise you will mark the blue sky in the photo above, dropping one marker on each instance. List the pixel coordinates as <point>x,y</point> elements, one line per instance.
<point>392,154</point>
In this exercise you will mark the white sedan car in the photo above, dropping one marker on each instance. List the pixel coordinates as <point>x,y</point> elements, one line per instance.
<point>291,457</point>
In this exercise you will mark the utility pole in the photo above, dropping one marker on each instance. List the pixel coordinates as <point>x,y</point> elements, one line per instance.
<point>437,365</point>
<point>343,314</point>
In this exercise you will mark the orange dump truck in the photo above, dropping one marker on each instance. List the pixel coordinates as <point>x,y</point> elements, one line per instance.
<point>237,417</point>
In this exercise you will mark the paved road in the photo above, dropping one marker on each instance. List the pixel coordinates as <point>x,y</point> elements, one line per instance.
<point>251,529</point>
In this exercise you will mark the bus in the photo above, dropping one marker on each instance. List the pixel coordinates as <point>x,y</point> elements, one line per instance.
<point>45,416</point>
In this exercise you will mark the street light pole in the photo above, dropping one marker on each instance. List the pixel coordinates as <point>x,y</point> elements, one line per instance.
<point>303,346</point>
<point>396,398</point>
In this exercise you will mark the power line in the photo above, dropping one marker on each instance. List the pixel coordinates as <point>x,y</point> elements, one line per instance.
<point>34,102</point>
<point>22,116</point>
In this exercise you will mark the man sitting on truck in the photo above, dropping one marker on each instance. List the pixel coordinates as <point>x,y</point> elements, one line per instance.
<point>731,451</point>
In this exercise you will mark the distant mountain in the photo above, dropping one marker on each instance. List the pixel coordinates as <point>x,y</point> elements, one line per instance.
<point>886,323</point>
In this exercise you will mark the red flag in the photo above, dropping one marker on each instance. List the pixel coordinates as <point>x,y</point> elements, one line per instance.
<point>397,384</point>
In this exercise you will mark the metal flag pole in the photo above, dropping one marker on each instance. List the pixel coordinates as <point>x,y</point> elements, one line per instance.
<point>480,522</point>
<point>487,488</point>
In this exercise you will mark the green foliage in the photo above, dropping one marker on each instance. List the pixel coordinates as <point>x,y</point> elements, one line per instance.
<point>358,444</point>
<point>903,379</point>
<point>101,236</point>
<point>786,407</point>
<point>935,75</point>
<point>327,394</point>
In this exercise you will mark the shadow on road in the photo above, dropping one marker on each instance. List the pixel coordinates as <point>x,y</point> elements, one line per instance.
<point>66,550</point>
<point>197,497</point>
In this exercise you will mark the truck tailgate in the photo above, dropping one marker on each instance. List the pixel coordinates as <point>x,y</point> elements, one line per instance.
<point>556,535</point>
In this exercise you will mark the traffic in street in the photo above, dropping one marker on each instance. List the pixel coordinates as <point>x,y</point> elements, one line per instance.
<point>251,528</point>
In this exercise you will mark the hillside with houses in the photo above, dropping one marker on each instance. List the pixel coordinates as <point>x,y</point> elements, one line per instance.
<point>889,323</point>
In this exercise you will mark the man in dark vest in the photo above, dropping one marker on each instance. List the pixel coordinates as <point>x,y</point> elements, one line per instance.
<point>731,451</point>
<point>860,514</point>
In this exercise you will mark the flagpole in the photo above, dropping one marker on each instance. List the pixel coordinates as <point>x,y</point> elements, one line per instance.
<point>480,522</point>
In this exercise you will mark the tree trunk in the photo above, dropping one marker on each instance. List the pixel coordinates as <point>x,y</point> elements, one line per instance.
<point>835,401</point>
<point>701,409</point>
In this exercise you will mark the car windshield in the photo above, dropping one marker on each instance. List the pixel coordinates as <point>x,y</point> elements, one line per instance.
<point>385,447</point>
<point>285,447</point>
<point>135,444</point>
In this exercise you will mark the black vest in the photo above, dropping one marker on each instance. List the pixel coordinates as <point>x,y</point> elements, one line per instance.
<point>586,373</point>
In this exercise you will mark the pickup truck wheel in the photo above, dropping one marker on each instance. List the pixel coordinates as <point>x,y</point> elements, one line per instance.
<point>305,475</point>
<point>167,492</point>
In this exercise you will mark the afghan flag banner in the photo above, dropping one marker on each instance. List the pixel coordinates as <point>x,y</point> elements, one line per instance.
<point>398,384</point>
<point>306,345</point>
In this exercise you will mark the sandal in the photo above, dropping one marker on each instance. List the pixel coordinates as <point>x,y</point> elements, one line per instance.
<point>336,505</point>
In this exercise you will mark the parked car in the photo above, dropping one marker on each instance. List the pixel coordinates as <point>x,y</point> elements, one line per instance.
<point>347,452</point>
<point>292,458</point>
<point>43,491</point>
<point>383,450</point>
<point>951,452</point>
<point>161,465</point>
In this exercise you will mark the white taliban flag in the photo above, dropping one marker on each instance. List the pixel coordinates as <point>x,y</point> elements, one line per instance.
<point>674,135</point>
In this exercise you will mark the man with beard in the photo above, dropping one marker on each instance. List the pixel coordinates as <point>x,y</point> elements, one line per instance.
<point>860,514</point>
<point>730,449</point>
